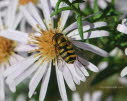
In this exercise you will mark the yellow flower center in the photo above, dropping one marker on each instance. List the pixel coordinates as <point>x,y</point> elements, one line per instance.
<point>24,2</point>
<point>45,44</point>
<point>6,49</point>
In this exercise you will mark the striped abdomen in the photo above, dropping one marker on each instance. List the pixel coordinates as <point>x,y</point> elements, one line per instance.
<point>64,48</point>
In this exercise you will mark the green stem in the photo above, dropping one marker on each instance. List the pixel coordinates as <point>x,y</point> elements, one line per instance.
<point>79,22</point>
<point>57,5</point>
<point>74,8</point>
<point>60,10</point>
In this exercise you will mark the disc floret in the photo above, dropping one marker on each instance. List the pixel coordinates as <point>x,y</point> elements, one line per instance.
<point>44,42</point>
<point>6,49</point>
<point>24,2</point>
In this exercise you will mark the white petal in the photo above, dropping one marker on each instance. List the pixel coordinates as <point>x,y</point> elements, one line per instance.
<point>3,13</point>
<point>82,68</point>
<point>76,97</point>
<point>15,35</point>
<point>78,71</point>
<point>92,34</point>
<point>37,78</point>
<point>12,86</point>
<point>64,17</point>
<point>1,22</point>
<point>76,77</point>
<point>46,8</point>
<point>61,84</point>
<point>31,20</point>
<point>53,3</point>
<point>18,19</point>
<point>19,67</point>
<point>103,65</point>
<point>88,27</point>
<point>122,28</point>
<point>13,60</point>
<point>124,21</point>
<point>4,3</point>
<point>13,83</point>
<point>69,79</point>
<point>23,25</point>
<point>24,48</point>
<point>74,26</point>
<point>27,73</point>
<point>89,65</point>
<point>89,47</point>
<point>10,70</point>
<point>61,64</point>
<point>35,14</point>
<point>116,52</point>
<point>11,13</point>
<point>76,80</point>
<point>7,65</point>
<point>45,82</point>
<point>70,27</point>
<point>2,90</point>
<point>18,57</point>
<point>124,72</point>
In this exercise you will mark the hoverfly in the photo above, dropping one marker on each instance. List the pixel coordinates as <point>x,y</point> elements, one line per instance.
<point>64,48</point>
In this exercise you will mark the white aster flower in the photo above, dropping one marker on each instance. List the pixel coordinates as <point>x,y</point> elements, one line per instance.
<point>123,27</point>
<point>41,43</point>
<point>94,96</point>
<point>8,54</point>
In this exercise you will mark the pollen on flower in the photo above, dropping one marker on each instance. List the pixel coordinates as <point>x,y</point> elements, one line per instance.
<point>45,44</point>
<point>24,2</point>
<point>6,49</point>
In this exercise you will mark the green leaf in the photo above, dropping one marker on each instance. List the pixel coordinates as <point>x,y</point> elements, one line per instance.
<point>80,25</point>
